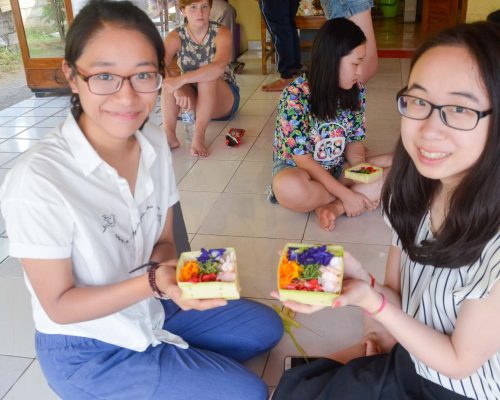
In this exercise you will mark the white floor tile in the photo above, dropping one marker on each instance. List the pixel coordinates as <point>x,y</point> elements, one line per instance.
<point>25,121</point>
<point>10,131</point>
<point>251,177</point>
<point>35,132</point>
<point>209,175</point>
<point>368,228</point>
<point>11,369</point>
<point>259,107</point>
<point>33,102</point>
<point>14,111</point>
<point>6,157</point>
<point>219,150</point>
<point>10,266</point>
<point>16,145</point>
<point>32,385</point>
<point>195,208</point>
<point>250,215</point>
<point>16,324</point>
<point>252,124</point>
<point>262,150</point>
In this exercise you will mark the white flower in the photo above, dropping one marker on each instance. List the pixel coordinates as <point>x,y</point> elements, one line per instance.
<point>330,278</point>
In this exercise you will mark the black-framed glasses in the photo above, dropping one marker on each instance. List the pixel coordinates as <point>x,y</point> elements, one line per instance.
<point>454,116</point>
<point>105,83</point>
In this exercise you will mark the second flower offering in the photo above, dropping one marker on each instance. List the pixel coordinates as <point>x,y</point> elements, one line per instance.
<point>311,274</point>
<point>208,274</point>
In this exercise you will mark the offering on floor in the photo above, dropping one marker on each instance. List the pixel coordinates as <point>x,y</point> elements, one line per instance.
<point>208,274</point>
<point>311,274</point>
<point>364,172</point>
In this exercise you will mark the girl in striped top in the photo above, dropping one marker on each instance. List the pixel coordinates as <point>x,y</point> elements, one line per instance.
<point>441,296</point>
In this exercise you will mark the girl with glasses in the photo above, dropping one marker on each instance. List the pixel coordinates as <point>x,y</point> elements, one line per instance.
<point>93,201</point>
<point>441,295</point>
<point>320,130</point>
<point>206,84</point>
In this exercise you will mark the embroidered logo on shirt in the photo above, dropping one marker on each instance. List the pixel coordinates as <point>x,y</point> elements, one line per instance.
<point>108,221</point>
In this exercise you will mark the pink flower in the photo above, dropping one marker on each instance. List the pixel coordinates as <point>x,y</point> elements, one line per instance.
<point>291,141</point>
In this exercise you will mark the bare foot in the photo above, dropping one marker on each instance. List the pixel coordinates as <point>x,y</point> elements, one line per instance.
<point>278,85</point>
<point>198,147</point>
<point>328,214</point>
<point>173,142</point>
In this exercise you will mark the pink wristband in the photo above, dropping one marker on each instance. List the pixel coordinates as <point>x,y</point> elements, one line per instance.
<point>382,306</point>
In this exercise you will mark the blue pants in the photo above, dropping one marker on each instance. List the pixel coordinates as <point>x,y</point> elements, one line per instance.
<point>82,368</point>
<point>280,20</point>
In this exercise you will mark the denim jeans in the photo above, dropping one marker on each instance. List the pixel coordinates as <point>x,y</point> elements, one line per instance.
<point>280,20</point>
<point>79,368</point>
<point>344,8</point>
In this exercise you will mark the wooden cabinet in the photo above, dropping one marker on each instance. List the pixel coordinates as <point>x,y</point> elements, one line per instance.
<point>41,29</point>
<point>441,14</point>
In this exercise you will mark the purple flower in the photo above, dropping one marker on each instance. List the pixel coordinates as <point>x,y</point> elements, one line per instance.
<point>310,255</point>
<point>210,254</point>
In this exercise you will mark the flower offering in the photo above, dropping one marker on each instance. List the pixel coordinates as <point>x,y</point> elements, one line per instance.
<point>364,172</point>
<point>208,274</point>
<point>310,274</point>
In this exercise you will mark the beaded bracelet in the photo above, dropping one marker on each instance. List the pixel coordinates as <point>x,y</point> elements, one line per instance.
<point>372,280</point>
<point>152,266</point>
<point>382,306</point>
<point>152,280</point>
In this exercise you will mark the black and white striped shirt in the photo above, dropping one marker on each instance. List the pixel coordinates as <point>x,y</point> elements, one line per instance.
<point>434,296</point>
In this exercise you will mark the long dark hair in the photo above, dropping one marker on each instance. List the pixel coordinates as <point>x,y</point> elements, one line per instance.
<point>474,210</point>
<point>336,39</point>
<point>93,17</point>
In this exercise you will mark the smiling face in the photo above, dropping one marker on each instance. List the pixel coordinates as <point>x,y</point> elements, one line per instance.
<point>350,67</point>
<point>446,75</point>
<point>122,52</point>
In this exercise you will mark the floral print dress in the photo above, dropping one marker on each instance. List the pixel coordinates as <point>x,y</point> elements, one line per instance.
<point>298,132</point>
<point>192,55</point>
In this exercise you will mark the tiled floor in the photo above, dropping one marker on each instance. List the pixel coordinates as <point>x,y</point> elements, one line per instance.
<point>224,204</point>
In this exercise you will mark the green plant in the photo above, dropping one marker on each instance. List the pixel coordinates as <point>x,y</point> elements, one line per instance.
<point>9,60</point>
<point>54,11</point>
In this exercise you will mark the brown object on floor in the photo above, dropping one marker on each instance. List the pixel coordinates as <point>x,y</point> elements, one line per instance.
<point>278,85</point>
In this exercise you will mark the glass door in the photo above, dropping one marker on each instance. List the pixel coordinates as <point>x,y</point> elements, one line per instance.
<point>41,28</point>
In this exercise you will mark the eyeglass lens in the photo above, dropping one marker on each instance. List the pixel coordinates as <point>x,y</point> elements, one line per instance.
<point>144,82</point>
<point>453,116</point>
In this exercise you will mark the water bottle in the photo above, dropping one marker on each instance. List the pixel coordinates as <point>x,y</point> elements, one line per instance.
<point>188,118</point>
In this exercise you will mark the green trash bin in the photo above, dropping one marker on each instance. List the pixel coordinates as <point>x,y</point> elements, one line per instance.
<point>389,8</point>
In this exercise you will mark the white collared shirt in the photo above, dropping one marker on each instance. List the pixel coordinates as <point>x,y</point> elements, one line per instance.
<point>61,200</point>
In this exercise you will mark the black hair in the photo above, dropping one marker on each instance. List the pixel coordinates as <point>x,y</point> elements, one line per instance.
<point>335,39</point>
<point>473,217</point>
<point>93,17</point>
<point>494,17</point>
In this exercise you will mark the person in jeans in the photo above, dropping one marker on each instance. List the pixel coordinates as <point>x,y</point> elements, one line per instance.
<point>279,16</point>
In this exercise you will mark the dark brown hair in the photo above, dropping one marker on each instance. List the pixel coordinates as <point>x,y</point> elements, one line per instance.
<point>474,211</point>
<point>336,39</point>
<point>93,17</point>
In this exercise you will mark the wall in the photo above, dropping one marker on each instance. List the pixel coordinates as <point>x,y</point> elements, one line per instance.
<point>479,9</point>
<point>249,19</point>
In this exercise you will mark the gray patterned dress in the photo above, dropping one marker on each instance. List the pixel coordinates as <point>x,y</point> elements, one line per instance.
<point>192,55</point>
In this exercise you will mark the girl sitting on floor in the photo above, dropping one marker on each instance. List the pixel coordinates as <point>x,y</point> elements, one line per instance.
<point>320,128</point>
<point>441,296</point>
<point>206,84</point>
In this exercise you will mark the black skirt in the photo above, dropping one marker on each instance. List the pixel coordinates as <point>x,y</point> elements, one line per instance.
<point>382,377</point>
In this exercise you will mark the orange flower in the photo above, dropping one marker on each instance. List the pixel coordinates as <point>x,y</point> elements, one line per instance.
<point>188,270</point>
<point>289,270</point>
